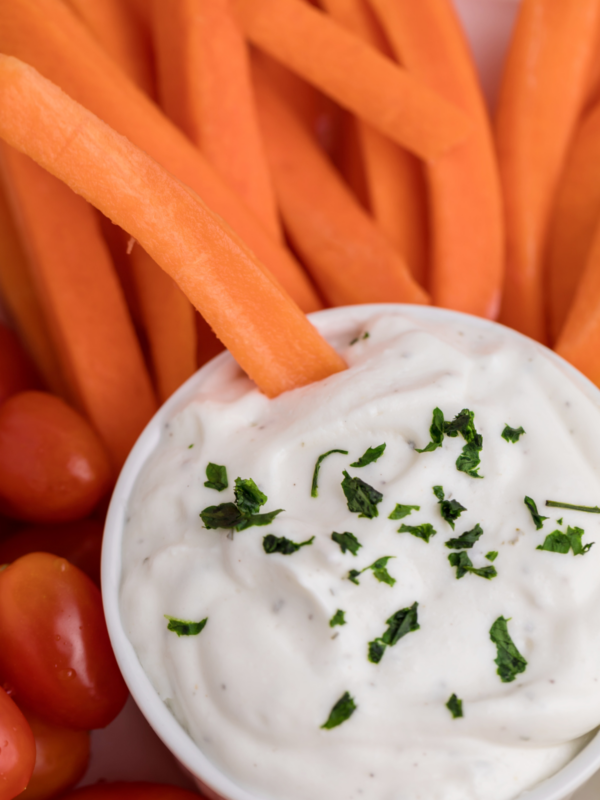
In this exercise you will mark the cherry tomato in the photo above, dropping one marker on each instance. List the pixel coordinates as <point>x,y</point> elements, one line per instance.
<point>17,373</point>
<point>124,790</point>
<point>17,749</point>
<point>54,647</point>
<point>61,759</point>
<point>53,466</point>
<point>79,542</point>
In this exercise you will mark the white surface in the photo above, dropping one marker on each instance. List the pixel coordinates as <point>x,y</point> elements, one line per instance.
<point>332,322</point>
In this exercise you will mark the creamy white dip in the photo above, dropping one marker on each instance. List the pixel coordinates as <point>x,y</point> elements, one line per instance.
<point>255,686</point>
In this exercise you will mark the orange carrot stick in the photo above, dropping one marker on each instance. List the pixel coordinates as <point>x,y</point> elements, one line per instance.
<point>466,206</point>
<point>45,34</point>
<point>349,159</point>
<point>168,320</point>
<point>396,183</point>
<point>208,346</point>
<point>573,223</point>
<point>22,303</point>
<point>348,258</point>
<point>83,303</point>
<point>579,340</point>
<point>541,96</point>
<point>115,27</point>
<point>263,328</point>
<point>205,88</point>
<point>353,74</point>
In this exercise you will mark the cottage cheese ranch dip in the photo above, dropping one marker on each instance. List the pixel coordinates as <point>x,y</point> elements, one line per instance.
<point>425,626</point>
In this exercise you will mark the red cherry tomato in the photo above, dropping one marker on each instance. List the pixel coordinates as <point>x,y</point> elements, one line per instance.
<point>79,542</point>
<point>61,759</point>
<point>53,466</point>
<point>124,790</point>
<point>17,373</point>
<point>54,647</point>
<point>17,749</point>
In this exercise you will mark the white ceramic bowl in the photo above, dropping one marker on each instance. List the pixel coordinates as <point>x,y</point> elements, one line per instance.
<point>211,780</point>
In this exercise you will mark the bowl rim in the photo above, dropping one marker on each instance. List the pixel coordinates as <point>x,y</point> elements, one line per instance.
<point>213,781</point>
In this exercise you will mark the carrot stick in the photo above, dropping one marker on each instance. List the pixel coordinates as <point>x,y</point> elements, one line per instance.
<point>353,74</point>
<point>347,256</point>
<point>541,96</point>
<point>249,311</point>
<point>208,346</point>
<point>82,301</point>
<point>22,303</point>
<point>466,206</point>
<point>205,88</point>
<point>395,178</point>
<point>115,27</point>
<point>573,222</point>
<point>168,320</point>
<point>45,34</point>
<point>579,340</point>
<point>349,160</point>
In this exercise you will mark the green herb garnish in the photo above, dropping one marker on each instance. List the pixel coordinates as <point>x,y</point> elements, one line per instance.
<point>468,461</point>
<point>399,624</point>
<point>248,496</point>
<point>225,515</point>
<point>463,564</point>
<point>466,540</point>
<point>370,455</point>
<point>362,498</point>
<point>379,571</point>
<point>537,518</point>
<point>559,542</point>
<point>258,520</point>
<point>403,511</point>
<point>217,477</point>
<point>512,434</point>
<point>449,509</point>
<point>342,710</point>
<point>279,544</point>
<point>454,706</point>
<point>337,619</point>
<point>314,492</point>
<point>364,336</point>
<point>436,431</point>
<point>424,531</point>
<point>492,555</point>
<point>347,541</point>
<point>184,627</point>
<point>588,509</point>
<point>510,662</point>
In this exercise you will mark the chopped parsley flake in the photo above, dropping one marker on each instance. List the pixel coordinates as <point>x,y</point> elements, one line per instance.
<point>337,619</point>
<point>537,518</point>
<point>379,571</point>
<point>243,513</point>
<point>342,710</point>
<point>436,431</point>
<point>492,555</point>
<point>279,544</point>
<point>403,511</point>
<point>510,662</point>
<point>216,477</point>
<point>399,624</point>
<point>424,531</point>
<point>588,509</point>
<point>463,564</point>
<point>362,498</point>
<point>559,542</point>
<point>512,434</point>
<point>454,706</point>
<point>314,492</point>
<point>449,509</point>
<point>364,336</point>
<point>183,627</point>
<point>369,456</point>
<point>347,541</point>
<point>466,540</point>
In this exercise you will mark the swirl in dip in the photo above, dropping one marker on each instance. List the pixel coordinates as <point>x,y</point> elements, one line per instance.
<point>515,640</point>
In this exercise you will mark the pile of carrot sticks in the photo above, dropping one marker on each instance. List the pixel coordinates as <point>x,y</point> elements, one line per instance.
<point>183,175</point>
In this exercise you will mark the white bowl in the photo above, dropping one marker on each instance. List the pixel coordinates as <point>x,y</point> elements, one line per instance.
<point>211,780</point>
